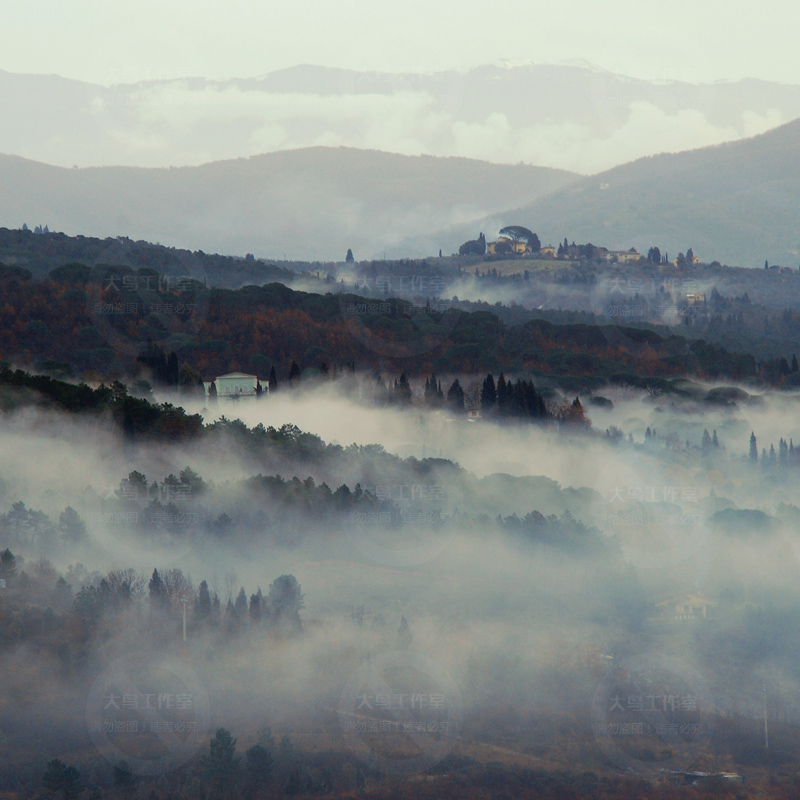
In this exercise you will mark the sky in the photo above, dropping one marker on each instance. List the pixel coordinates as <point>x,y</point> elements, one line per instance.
<point>133,40</point>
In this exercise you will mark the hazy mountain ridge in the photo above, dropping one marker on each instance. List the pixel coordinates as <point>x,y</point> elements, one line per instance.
<point>577,118</point>
<point>310,204</point>
<point>738,203</point>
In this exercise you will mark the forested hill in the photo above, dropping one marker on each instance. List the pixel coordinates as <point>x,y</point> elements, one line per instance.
<point>97,322</point>
<point>738,201</point>
<point>38,254</point>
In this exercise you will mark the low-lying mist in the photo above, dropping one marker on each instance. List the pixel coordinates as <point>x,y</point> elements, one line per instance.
<point>512,578</point>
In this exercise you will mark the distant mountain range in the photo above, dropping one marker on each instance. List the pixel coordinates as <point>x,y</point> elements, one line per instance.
<point>310,204</point>
<point>577,118</point>
<point>738,203</point>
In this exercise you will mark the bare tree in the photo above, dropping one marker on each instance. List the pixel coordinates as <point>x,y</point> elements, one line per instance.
<point>472,396</point>
<point>177,585</point>
<point>136,582</point>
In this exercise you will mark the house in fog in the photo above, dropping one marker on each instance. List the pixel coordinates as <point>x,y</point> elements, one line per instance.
<point>687,607</point>
<point>234,386</point>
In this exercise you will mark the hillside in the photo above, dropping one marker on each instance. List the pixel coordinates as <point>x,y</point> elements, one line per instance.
<point>309,204</point>
<point>738,203</point>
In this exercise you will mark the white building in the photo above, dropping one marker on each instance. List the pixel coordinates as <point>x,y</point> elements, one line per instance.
<point>236,385</point>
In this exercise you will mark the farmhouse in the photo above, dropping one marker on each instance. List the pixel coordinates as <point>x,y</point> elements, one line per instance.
<point>504,244</point>
<point>687,607</point>
<point>623,256</point>
<point>235,385</point>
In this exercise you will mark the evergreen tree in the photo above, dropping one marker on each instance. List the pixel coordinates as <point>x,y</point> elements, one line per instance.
<point>294,373</point>
<point>123,776</point>
<point>203,605</point>
<point>72,527</point>
<point>273,380</point>
<point>402,390</point>
<point>255,607</point>
<point>404,635</point>
<point>258,767</point>
<point>714,439</point>
<point>285,600</point>
<point>433,391</point>
<point>158,593</point>
<point>8,565</point>
<point>794,363</point>
<point>455,397</point>
<point>241,604</point>
<point>60,777</point>
<point>349,258</point>
<point>503,393</point>
<point>488,394</point>
<point>221,764</point>
<point>706,443</point>
<point>753,448</point>
<point>212,393</point>
<point>294,783</point>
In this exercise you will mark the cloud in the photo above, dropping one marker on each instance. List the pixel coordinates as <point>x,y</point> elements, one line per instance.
<point>178,124</point>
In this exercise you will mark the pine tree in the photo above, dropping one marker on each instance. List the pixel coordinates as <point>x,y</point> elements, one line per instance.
<point>203,605</point>
<point>455,397</point>
<point>221,764</point>
<point>273,380</point>
<point>158,593</point>
<point>71,525</point>
<point>706,442</point>
<point>404,635</point>
<point>241,604</point>
<point>794,363</point>
<point>402,389</point>
<point>294,373</point>
<point>255,606</point>
<point>59,777</point>
<point>488,394</point>
<point>503,392</point>
<point>714,439</point>
<point>258,767</point>
<point>753,448</point>
<point>124,779</point>
<point>294,783</point>
<point>8,565</point>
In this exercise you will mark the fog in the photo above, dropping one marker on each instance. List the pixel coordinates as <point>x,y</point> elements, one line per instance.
<point>517,620</point>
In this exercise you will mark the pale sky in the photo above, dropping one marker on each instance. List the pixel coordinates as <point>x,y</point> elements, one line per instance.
<point>104,41</point>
